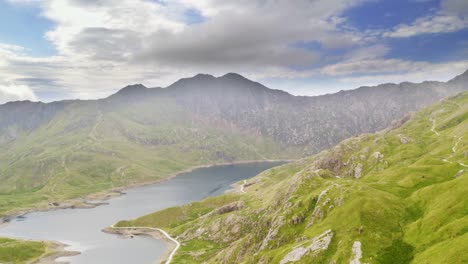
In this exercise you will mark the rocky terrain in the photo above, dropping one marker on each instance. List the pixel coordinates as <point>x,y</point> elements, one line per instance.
<point>396,196</point>
<point>69,149</point>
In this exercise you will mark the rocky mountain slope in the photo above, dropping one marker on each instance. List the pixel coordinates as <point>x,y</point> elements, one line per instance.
<point>397,196</point>
<point>68,149</point>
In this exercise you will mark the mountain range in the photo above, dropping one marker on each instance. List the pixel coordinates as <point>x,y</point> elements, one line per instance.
<point>68,149</point>
<point>395,196</point>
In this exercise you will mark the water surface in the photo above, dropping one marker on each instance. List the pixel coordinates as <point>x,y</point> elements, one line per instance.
<point>81,228</point>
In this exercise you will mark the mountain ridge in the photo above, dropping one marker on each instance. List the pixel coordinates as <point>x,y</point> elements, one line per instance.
<point>463,77</point>
<point>395,196</point>
<point>68,149</point>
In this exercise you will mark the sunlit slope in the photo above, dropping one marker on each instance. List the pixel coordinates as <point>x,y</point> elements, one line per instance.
<point>397,196</point>
<point>16,251</point>
<point>89,147</point>
<point>67,149</point>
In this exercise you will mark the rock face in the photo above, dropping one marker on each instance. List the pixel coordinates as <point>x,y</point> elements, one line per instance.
<point>308,123</point>
<point>273,231</point>
<point>317,245</point>
<point>358,171</point>
<point>230,207</point>
<point>208,119</point>
<point>356,253</point>
<point>25,117</point>
<point>368,216</point>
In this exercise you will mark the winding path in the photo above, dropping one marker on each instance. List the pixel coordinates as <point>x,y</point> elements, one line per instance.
<point>433,127</point>
<point>454,148</point>
<point>169,259</point>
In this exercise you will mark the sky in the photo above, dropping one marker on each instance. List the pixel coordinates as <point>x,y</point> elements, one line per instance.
<point>66,49</point>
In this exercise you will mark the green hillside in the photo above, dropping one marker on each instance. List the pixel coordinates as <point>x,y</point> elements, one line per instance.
<point>71,149</point>
<point>15,251</point>
<point>85,150</point>
<point>397,196</point>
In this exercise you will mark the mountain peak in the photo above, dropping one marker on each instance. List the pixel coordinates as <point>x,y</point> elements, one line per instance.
<point>129,89</point>
<point>203,76</point>
<point>134,87</point>
<point>233,75</point>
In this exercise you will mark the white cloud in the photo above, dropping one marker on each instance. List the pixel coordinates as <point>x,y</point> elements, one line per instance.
<point>430,24</point>
<point>410,73</point>
<point>451,17</point>
<point>103,46</point>
<point>14,92</point>
<point>370,66</point>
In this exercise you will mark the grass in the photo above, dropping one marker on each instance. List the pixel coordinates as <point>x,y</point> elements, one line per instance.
<point>79,153</point>
<point>406,207</point>
<point>18,251</point>
<point>182,214</point>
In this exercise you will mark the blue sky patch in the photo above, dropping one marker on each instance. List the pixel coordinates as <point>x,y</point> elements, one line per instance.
<point>23,25</point>
<point>387,14</point>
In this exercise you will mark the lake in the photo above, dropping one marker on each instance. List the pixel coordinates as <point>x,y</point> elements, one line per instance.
<point>81,228</point>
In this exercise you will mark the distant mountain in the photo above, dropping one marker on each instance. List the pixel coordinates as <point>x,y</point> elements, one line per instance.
<point>71,148</point>
<point>308,124</point>
<point>396,196</point>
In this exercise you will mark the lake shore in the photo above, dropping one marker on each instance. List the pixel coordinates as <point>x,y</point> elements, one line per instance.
<point>94,200</point>
<point>100,198</point>
<point>130,232</point>
<point>55,250</point>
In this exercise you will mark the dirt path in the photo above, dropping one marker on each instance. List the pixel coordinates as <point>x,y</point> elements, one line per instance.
<point>433,127</point>
<point>454,147</point>
<point>454,151</point>
<point>93,133</point>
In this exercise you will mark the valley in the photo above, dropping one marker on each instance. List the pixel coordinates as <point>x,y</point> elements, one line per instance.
<point>233,132</point>
<point>68,150</point>
<point>397,196</point>
<point>68,155</point>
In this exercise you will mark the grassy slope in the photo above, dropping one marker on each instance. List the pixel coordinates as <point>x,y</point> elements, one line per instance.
<point>407,206</point>
<point>15,251</point>
<point>88,149</point>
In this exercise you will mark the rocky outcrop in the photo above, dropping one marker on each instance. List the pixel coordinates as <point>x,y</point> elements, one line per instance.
<point>459,173</point>
<point>356,253</point>
<point>272,232</point>
<point>317,245</point>
<point>230,207</point>
<point>403,139</point>
<point>358,171</point>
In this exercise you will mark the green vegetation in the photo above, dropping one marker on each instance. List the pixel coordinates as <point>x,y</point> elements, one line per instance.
<point>183,214</point>
<point>17,251</point>
<point>79,153</point>
<point>399,196</point>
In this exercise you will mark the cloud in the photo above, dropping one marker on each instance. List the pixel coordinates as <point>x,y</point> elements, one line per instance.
<point>418,72</point>
<point>458,7</point>
<point>102,46</point>
<point>451,17</point>
<point>239,33</point>
<point>429,24</point>
<point>15,92</point>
